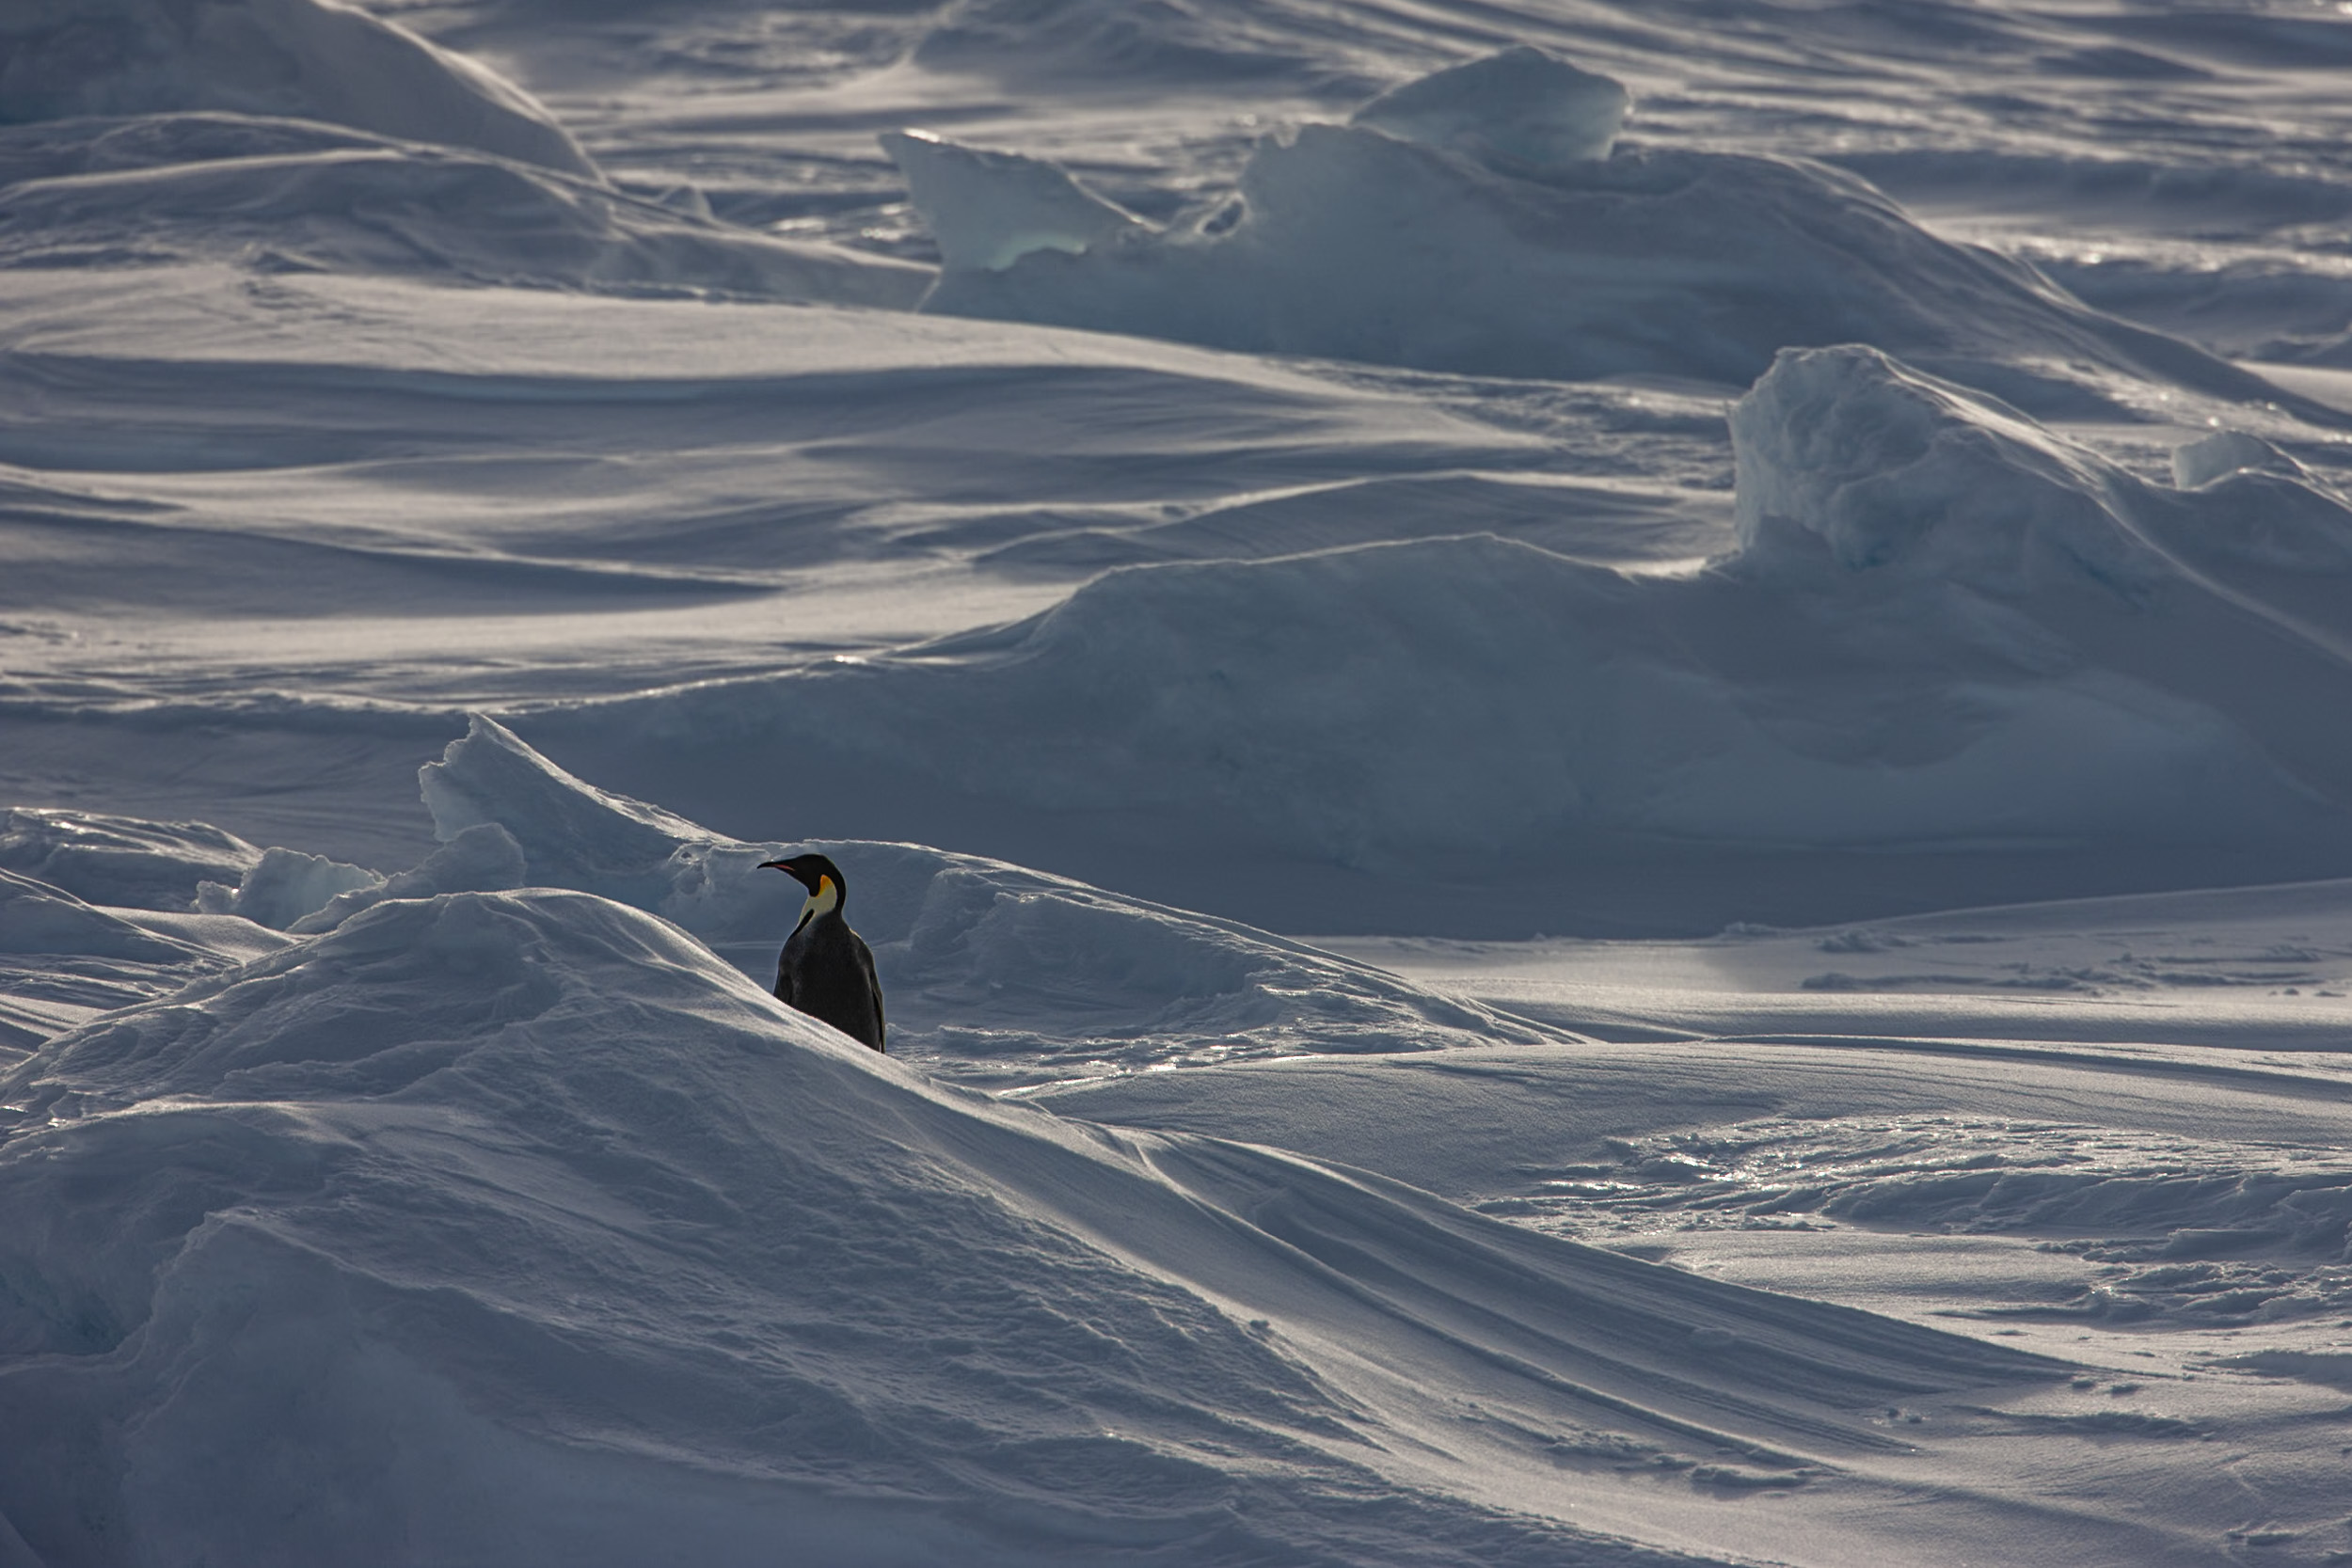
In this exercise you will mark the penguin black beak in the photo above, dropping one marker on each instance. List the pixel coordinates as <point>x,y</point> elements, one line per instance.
<point>788,869</point>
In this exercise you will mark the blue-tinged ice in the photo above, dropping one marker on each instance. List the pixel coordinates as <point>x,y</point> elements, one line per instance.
<point>987,210</point>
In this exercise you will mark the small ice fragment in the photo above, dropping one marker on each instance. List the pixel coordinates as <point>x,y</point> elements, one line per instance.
<point>2225,453</point>
<point>987,210</point>
<point>484,858</point>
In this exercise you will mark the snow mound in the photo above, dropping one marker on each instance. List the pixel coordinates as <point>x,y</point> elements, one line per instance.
<point>992,970</point>
<point>1848,452</point>
<point>1945,629</point>
<point>987,210</point>
<point>1517,109</point>
<point>285,196</point>
<point>307,59</point>
<point>1468,222</point>
<point>120,860</point>
<point>516,1226</point>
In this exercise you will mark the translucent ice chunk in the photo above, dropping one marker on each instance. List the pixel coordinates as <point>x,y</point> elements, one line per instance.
<point>987,210</point>
<point>2225,453</point>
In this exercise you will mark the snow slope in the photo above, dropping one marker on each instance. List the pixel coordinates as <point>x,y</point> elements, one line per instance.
<point>571,1222</point>
<point>372,1281</point>
<point>290,195</point>
<point>992,971</point>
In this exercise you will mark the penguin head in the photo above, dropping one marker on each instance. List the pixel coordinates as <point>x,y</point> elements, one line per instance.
<point>813,872</point>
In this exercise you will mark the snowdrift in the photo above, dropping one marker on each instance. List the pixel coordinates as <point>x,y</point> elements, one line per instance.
<point>304,59</point>
<point>289,194</point>
<point>1945,629</point>
<point>991,970</point>
<point>98,912</point>
<point>120,860</point>
<point>1474,221</point>
<point>995,973</point>
<point>516,1226</point>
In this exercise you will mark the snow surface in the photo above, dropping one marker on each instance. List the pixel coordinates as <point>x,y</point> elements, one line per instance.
<point>1230,522</point>
<point>300,60</point>
<point>1519,108</point>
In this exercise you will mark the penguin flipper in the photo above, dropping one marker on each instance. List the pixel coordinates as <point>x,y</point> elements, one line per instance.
<point>873,991</point>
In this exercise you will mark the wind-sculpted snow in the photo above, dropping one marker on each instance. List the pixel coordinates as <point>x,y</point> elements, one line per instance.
<point>517,1223</point>
<point>98,912</point>
<point>305,59</point>
<point>294,196</point>
<point>2198,1232</point>
<point>438,1183</point>
<point>64,959</point>
<point>991,972</point>
<point>1944,626</point>
<point>120,860</point>
<point>37,919</point>
<point>1897,476</point>
<point>1473,222</point>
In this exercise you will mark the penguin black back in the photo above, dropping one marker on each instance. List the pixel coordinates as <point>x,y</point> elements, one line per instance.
<point>826,970</point>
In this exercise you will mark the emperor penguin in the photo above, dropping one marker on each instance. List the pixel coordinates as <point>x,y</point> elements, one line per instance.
<point>826,970</point>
